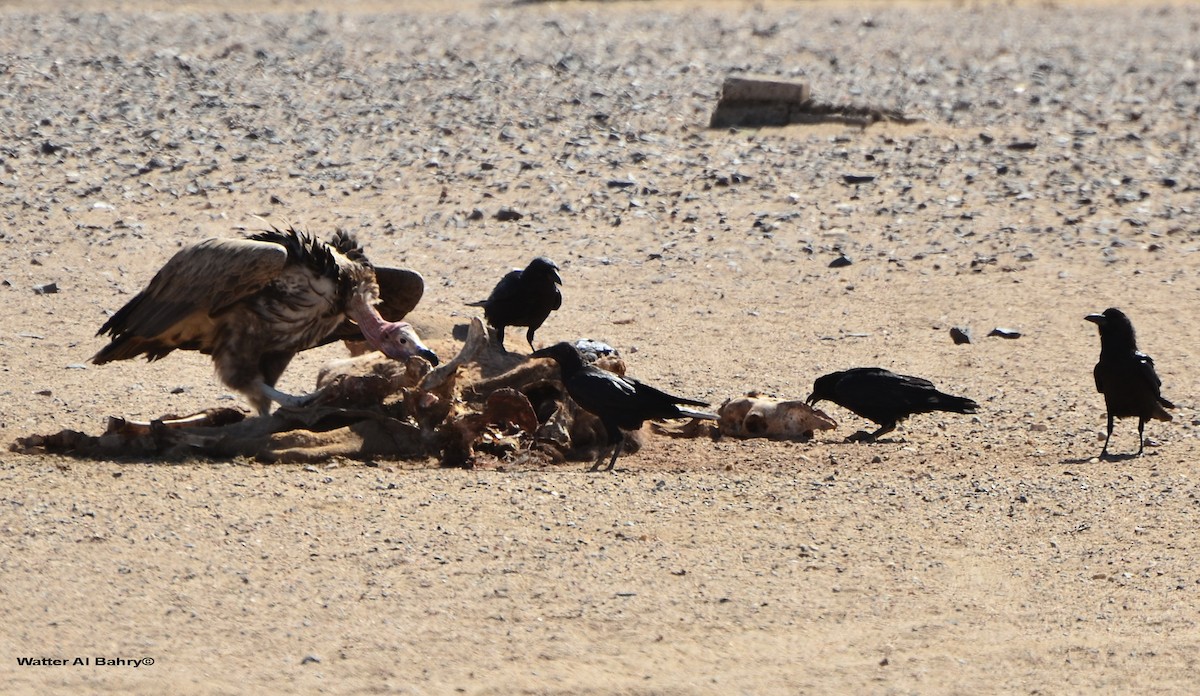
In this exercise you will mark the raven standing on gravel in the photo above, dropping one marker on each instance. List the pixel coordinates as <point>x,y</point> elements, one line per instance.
<point>523,298</point>
<point>884,397</point>
<point>1125,376</point>
<point>619,402</point>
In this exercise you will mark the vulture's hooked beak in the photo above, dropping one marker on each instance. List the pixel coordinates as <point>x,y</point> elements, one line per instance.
<point>400,342</point>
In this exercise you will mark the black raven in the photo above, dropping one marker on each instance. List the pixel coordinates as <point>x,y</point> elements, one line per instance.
<point>884,397</point>
<point>619,402</point>
<point>1125,376</point>
<point>523,298</point>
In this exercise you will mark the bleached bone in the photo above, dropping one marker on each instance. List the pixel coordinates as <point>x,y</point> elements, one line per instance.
<point>477,337</point>
<point>752,416</point>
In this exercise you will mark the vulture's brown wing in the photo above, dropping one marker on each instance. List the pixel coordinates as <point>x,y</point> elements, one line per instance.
<point>176,308</point>
<point>399,292</point>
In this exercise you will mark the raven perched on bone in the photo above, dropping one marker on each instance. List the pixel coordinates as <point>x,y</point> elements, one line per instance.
<point>884,397</point>
<point>621,403</point>
<point>1126,376</point>
<point>253,303</point>
<point>523,298</point>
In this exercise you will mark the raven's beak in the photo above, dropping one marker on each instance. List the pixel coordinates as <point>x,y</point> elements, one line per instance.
<point>1097,319</point>
<point>557,278</point>
<point>540,353</point>
<point>812,399</point>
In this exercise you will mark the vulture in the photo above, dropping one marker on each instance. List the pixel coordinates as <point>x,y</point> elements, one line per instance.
<point>884,397</point>
<point>253,303</point>
<point>1126,376</point>
<point>621,403</point>
<point>523,298</point>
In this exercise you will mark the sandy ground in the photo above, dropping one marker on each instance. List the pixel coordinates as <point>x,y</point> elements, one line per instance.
<point>1054,173</point>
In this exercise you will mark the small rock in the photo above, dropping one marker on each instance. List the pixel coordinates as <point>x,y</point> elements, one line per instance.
<point>1004,333</point>
<point>960,335</point>
<point>310,658</point>
<point>840,262</point>
<point>853,179</point>
<point>46,288</point>
<point>508,215</point>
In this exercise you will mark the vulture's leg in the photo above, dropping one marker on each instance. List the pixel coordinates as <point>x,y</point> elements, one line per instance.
<point>261,389</point>
<point>272,366</point>
<point>284,399</point>
<point>259,399</point>
<point>242,376</point>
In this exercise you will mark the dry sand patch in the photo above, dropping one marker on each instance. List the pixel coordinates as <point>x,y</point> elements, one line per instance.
<point>985,554</point>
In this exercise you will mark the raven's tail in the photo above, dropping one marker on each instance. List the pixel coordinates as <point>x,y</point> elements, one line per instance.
<point>686,402</point>
<point>1159,413</point>
<point>956,404</point>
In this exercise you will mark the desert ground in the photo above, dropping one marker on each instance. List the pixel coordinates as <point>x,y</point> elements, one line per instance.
<point>1053,171</point>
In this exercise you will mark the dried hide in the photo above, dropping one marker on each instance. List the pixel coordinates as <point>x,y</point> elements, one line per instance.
<point>312,434</point>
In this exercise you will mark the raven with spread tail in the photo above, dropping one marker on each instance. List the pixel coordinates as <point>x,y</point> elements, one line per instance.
<point>621,403</point>
<point>253,303</point>
<point>1126,376</point>
<point>884,397</point>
